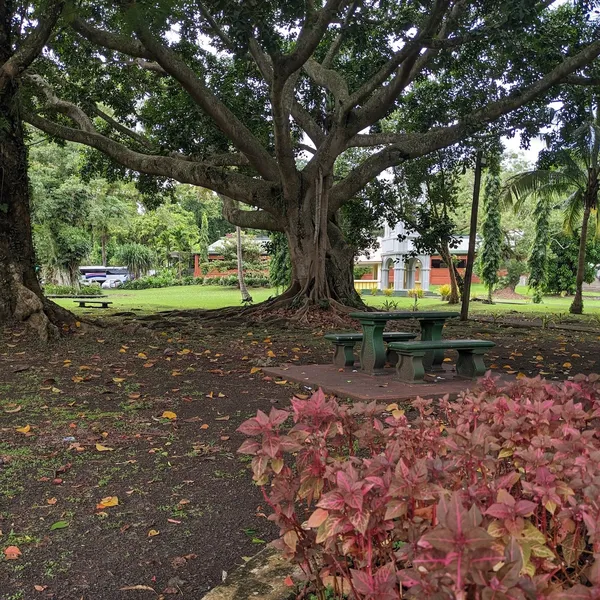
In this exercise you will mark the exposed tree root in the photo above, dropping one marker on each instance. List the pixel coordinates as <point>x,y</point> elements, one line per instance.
<point>293,305</point>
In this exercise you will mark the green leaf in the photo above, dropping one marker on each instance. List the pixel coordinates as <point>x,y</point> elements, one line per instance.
<point>59,525</point>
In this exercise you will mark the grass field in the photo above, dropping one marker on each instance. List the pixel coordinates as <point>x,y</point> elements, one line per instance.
<point>207,297</point>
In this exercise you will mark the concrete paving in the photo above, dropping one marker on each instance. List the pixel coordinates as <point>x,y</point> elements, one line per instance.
<point>349,383</point>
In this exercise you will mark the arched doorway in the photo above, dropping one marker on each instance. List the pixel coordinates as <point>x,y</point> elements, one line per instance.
<point>412,275</point>
<point>389,265</point>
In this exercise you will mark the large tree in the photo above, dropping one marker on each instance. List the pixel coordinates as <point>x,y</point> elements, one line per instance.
<point>229,95</point>
<point>23,35</point>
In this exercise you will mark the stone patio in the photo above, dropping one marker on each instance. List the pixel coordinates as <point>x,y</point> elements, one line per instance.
<point>347,383</point>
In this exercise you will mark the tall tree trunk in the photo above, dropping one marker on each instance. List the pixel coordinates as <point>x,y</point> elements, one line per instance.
<point>322,261</point>
<point>577,306</point>
<point>246,297</point>
<point>454,290</point>
<point>21,297</point>
<point>103,244</point>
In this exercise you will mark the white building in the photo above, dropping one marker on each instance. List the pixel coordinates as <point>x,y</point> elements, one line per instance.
<point>395,265</point>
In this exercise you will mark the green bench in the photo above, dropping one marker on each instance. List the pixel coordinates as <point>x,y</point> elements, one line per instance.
<point>344,343</point>
<point>414,356</point>
<point>92,303</point>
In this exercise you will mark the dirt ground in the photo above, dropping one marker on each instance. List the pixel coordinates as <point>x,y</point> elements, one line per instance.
<point>147,414</point>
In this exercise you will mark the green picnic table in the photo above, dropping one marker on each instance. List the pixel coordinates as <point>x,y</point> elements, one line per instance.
<point>372,353</point>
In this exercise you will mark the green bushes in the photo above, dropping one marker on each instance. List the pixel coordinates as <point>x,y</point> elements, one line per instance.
<point>167,278</point>
<point>67,290</point>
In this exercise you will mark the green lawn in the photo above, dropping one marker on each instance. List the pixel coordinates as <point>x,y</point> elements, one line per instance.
<point>185,297</point>
<point>551,304</point>
<point>179,297</point>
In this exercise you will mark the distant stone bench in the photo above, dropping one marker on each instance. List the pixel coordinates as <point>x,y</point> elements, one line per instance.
<point>92,303</point>
<point>344,343</point>
<point>470,365</point>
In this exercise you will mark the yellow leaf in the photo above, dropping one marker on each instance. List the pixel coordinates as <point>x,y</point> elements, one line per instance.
<point>567,365</point>
<point>267,340</point>
<point>576,355</point>
<point>77,379</point>
<point>397,413</point>
<point>255,370</point>
<point>55,390</point>
<point>507,367</point>
<point>184,351</point>
<point>102,448</point>
<point>521,375</point>
<point>281,382</point>
<point>221,395</point>
<point>271,354</point>
<point>153,532</point>
<point>25,429</point>
<point>169,415</point>
<point>539,357</point>
<point>295,349</point>
<point>142,355</point>
<point>118,379</point>
<point>108,502</point>
<point>447,360</point>
<point>122,350</point>
<point>392,406</point>
<point>505,453</point>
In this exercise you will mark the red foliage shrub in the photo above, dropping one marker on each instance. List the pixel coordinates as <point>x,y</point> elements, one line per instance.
<point>493,496</point>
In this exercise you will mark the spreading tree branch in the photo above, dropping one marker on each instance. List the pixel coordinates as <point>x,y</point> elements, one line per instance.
<point>314,28</point>
<point>32,46</point>
<point>413,145</point>
<point>225,119</point>
<point>248,219</point>
<point>254,192</point>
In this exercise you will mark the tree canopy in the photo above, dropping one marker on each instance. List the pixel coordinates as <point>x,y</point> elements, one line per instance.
<point>230,95</point>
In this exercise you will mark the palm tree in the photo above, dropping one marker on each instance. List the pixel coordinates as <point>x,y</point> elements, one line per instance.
<point>573,182</point>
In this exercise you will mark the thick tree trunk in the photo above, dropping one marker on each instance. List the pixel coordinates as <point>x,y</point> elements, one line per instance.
<point>454,290</point>
<point>322,261</point>
<point>21,297</point>
<point>577,305</point>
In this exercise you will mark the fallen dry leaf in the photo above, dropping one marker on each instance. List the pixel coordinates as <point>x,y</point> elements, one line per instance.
<point>25,429</point>
<point>153,532</point>
<point>137,587</point>
<point>108,502</point>
<point>169,415</point>
<point>102,448</point>
<point>204,426</point>
<point>224,418</point>
<point>12,553</point>
<point>255,370</point>
<point>51,501</point>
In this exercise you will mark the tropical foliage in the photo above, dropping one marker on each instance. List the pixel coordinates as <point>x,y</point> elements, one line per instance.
<point>494,495</point>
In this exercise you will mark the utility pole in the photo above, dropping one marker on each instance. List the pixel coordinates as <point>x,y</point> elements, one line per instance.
<point>479,164</point>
